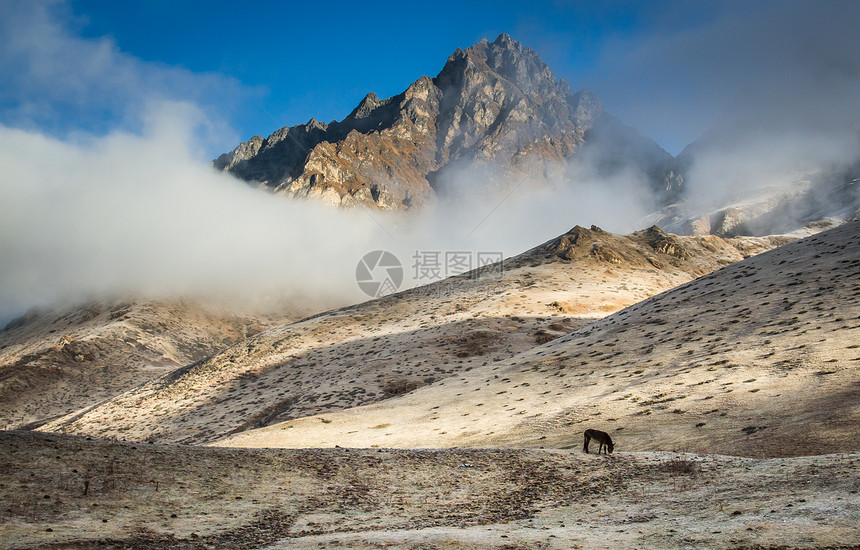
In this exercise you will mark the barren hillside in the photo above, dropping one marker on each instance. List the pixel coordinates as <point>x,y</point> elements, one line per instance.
<point>379,349</point>
<point>761,358</point>
<point>55,362</point>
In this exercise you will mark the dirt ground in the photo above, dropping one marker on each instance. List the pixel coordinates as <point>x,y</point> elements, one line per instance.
<point>72,492</point>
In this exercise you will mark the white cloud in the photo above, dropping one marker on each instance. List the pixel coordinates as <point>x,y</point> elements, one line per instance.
<point>130,207</point>
<point>61,83</point>
<point>137,214</point>
<point>735,67</point>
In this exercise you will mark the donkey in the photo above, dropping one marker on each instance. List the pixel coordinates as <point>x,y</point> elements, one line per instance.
<point>601,437</point>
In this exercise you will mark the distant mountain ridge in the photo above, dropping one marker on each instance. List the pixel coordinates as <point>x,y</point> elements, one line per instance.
<point>494,105</point>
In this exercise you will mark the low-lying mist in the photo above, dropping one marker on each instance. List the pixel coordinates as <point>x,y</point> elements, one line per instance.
<point>138,215</point>
<point>129,209</point>
<point>141,215</point>
<point>791,178</point>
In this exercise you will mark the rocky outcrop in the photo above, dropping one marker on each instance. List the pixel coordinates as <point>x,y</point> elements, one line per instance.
<point>494,105</point>
<point>663,242</point>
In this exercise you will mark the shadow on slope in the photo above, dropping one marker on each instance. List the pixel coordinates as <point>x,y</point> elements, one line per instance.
<point>58,361</point>
<point>232,397</point>
<point>347,357</point>
<point>761,358</point>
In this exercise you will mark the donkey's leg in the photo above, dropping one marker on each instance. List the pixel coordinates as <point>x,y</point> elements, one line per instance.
<point>585,445</point>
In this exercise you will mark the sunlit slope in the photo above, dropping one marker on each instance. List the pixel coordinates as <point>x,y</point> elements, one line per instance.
<point>57,361</point>
<point>759,358</point>
<point>382,348</point>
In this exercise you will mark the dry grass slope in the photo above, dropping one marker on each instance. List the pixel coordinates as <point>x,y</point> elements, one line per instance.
<point>372,351</point>
<point>761,358</point>
<point>55,362</point>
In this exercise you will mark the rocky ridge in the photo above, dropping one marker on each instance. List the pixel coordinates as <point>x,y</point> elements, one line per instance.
<point>495,106</point>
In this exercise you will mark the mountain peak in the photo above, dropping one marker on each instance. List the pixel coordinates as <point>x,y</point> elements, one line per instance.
<point>505,58</point>
<point>504,40</point>
<point>366,106</point>
<point>494,103</point>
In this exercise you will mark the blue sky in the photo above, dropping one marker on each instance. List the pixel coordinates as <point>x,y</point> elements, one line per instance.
<point>259,67</point>
<point>304,59</point>
<point>672,69</point>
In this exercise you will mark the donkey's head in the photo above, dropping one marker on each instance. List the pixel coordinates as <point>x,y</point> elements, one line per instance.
<point>610,446</point>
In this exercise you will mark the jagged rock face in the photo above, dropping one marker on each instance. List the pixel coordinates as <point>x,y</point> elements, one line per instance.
<point>492,104</point>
